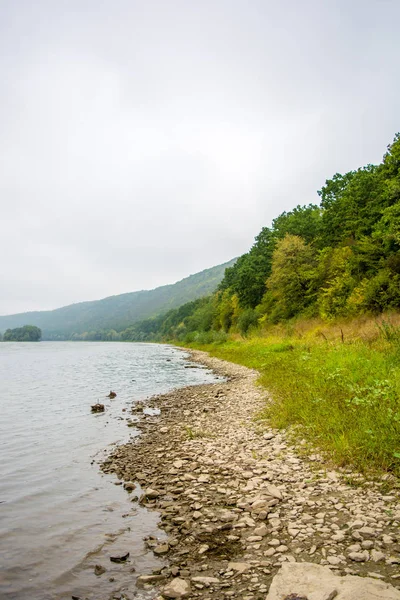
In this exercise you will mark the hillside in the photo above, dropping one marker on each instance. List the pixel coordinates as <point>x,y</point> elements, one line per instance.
<point>339,259</point>
<point>118,312</point>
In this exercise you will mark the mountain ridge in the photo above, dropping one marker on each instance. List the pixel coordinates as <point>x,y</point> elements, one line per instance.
<point>119,310</point>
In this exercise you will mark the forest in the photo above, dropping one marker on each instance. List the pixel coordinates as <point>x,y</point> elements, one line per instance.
<point>337,259</point>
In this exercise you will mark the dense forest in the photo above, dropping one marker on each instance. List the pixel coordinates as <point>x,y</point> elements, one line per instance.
<point>340,258</point>
<point>105,319</point>
<point>27,333</point>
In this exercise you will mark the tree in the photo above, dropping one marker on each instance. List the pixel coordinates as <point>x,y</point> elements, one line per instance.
<point>293,278</point>
<point>27,333</point>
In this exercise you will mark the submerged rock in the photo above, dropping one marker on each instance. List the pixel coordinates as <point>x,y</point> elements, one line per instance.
<point>99,570</point>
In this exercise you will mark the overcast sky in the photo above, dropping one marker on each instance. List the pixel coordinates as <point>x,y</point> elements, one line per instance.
<point>142,141</point>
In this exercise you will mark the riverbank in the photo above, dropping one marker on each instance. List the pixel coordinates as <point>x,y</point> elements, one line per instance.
<point>338,387</point>
<point>237,500</point>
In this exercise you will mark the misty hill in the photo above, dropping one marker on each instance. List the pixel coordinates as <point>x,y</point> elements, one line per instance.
<point>118,312</point>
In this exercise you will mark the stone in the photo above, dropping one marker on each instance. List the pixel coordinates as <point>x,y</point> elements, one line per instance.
<point>226,516</point>
<point>99,570</point>
<point>204,479</point>
<point>367,533</point>
<point>129,486</point>
<point>273,491</point>
<point>262,530</point>
<point>149,579</point>
<point>334,560</point>
<point>205,580</point>
<point>377,556</point>
<point>177,588</point>
<point>316,582</point>
<point>387,540</point>
<point>151,494</point>
<point>240,567</point>
<point>161,549</point>
<point>359,556</point>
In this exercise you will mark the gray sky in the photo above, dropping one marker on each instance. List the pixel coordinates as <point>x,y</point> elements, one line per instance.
<point>145,141</point>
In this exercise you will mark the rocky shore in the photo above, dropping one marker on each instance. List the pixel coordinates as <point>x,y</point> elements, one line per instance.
<point>237,501</point>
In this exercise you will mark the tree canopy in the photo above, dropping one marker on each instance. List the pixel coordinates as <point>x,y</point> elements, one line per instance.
<point>27,333</point>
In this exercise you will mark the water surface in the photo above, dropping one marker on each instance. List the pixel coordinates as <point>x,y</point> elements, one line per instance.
<point>59,516</point>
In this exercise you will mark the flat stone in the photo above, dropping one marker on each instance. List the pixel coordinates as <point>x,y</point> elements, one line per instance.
<point>367,533</point>
<point>177,588</point>
<point>204,479</point>
<point>205,580</point>
<point>273,491</point>
<point>149,579</point>
<point>387,540</point>
<point>151,494</point>
<point>359,556</point>
<point>161,549</point>
<point>262,530</point>
<point>377,556</point>
<point>316,582</point>
<point>240,567</point>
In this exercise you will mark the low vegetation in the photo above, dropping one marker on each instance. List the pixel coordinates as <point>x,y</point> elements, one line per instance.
<point>337,386</point>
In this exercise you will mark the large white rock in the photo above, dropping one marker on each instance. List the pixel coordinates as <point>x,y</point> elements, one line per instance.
<point>320,583</point>
<point>177,588</point>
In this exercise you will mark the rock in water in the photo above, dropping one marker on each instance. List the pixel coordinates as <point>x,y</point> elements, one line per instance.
<point>177,588</point>
<point>119,559</point>
<point>99,570</point>
<point>320,583</point>
<point>97,407</point>
<point>111,395</point>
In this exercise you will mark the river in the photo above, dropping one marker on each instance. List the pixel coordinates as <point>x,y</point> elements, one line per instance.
<point>59,515</point>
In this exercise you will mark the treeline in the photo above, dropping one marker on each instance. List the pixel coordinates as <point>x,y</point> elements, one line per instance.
<point>27,333</point>
<point>340,258</point>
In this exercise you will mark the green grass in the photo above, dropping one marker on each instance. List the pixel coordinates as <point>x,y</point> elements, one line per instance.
<point>343,398</point>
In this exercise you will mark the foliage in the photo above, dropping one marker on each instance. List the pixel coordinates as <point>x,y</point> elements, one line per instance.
<point>293,275</point>
<point>27,333</point>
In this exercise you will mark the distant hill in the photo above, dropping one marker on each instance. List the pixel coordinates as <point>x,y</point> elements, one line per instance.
<point>118,312</point>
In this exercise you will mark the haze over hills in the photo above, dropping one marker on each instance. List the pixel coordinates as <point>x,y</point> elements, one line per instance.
<point>118,312</point>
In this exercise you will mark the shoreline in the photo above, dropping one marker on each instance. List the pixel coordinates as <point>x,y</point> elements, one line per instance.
<point>235,499</point>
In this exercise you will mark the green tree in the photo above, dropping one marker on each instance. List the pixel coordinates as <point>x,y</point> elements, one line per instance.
<point>293,279</point>
<point>27,333</point>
